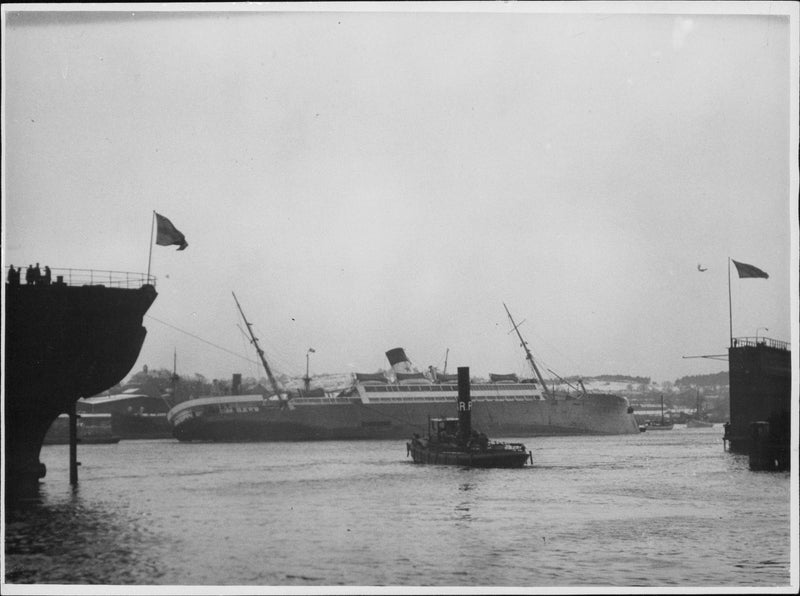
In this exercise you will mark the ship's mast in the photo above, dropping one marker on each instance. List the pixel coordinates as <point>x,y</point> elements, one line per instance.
<point>173,380</point>
<point>528,355</point>
<point>254,341</point>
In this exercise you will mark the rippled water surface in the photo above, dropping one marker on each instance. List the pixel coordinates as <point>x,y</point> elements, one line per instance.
<point>657,509</point>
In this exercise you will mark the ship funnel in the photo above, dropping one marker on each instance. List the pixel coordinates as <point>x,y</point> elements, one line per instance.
<point>399,361</point>
<point>236,384</point>
<point>464,406</point>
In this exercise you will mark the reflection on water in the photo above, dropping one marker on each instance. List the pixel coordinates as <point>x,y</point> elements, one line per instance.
<point>656,509</point>
<point>71,540</point>
<point>462,508</point>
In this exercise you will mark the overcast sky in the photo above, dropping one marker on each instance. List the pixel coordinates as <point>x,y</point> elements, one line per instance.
<point>366,179</point>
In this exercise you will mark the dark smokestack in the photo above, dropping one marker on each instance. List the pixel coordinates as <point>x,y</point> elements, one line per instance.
<point>236,384</point>
<point>464,405</point>
<point>399,361</point>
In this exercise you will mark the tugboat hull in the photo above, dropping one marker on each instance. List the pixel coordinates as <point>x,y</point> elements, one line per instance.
<point>500,458</point>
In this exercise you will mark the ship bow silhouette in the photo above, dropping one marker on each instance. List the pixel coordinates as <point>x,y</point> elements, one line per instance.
<point>63,342</point>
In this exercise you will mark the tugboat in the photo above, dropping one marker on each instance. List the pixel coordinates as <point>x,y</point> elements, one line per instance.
<point>452,441</point>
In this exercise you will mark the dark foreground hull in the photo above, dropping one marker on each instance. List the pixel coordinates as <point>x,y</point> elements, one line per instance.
<point>492,458</point>
<point>62,343</point>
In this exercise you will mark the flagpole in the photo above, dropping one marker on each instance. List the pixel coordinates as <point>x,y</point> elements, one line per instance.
<point>730,306</point>
<point>150,256</point>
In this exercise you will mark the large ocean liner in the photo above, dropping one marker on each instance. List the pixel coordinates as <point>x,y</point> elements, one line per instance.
<point>378,406</point>
<point>65,339</point>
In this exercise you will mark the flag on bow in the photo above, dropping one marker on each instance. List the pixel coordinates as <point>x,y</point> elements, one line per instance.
<point>746,270</point>
<point>168,234</point>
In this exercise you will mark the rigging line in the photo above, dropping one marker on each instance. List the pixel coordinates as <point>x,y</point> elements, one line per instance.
<point>269,350</point>
<point>280,365</point>
<point>246,344</point>
<point>201,339</point>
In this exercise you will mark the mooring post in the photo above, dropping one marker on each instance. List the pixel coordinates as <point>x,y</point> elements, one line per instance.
<point>73,445</point>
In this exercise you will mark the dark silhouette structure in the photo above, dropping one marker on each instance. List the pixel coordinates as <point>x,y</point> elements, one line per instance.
<point>760,372</point>
<point>64,341</point>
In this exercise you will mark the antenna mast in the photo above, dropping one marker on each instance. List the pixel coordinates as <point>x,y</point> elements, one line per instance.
<point>173,381</point>
<point>254,341</point>
<point>528,354</point>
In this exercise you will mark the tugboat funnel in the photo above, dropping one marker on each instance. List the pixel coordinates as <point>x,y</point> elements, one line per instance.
<point>236,383</point>
<point>464,405</point>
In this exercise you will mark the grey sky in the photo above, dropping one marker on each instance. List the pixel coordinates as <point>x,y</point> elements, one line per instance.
<point>366,179</point>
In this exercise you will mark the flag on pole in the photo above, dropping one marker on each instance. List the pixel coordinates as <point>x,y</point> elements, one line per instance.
<point>168,234</point>
<point>746,270</point>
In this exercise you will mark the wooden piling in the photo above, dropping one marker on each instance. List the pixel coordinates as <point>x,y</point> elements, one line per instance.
<point>73,446</point>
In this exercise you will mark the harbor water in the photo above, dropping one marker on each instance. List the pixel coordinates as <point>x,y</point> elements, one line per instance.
<point>657,509</point>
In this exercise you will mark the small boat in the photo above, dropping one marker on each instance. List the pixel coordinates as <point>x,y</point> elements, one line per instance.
<point>439,448</point>
<point>660,426</point>
<point>452,441</point>
<point>92,429</point>
<point>697,421</point>
<point>663,425</point>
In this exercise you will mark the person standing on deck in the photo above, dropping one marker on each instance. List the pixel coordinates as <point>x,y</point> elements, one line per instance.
<point>13,276</point>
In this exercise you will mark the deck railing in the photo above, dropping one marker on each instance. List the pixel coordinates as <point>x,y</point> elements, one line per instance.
<point>752,342</point>
<point>85,277</point>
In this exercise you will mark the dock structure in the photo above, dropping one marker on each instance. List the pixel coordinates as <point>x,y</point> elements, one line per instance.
<point>760,374</point>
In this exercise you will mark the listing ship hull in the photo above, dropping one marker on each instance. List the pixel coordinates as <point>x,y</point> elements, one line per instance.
<point>63,342</point>
<point>500,410</point>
